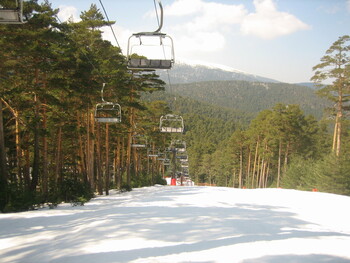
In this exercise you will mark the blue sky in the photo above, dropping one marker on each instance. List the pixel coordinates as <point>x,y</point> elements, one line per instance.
<point>278,39</point>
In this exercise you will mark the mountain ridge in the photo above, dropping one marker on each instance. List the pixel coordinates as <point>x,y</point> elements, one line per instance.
<point>188,72</point>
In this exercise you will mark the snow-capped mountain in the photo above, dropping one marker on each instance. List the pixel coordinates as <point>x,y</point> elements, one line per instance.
<point>192,71</point>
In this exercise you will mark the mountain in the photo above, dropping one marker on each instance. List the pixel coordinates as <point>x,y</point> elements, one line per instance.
<point>309,85</point>
<point>252,97</point>
<point>189,72</point>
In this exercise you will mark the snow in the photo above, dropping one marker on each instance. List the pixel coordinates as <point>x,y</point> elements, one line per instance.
<point>210,65</point>
<point>184,224</point>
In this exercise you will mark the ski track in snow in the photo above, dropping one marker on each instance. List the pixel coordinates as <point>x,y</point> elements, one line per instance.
<point>184,224</point>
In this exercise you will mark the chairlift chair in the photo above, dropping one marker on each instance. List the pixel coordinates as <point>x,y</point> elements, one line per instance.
<point>152,153</point>
<point>184,165</point>
<point>180,146</point>
<point>139,141</point>
<point>166,162</point>
<point>161,156</point>
<point>107,112</point>
<point>171,123</point>
<point>155,50</point>
<point>12,15</point>
<point>184,160</point>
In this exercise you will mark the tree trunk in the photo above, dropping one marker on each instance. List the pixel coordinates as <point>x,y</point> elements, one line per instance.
<point>117,177</point>
<point>255,163</point>
<point>58,171</point>
<point>122,161</point>
<point>99,161</point>
<point>3,164</point>
<point>107,178</point>
<point>35,172</point>
<point>233,178</point>
<point>340,117</point>
<point>248,168</point>
<point>45,172</point>
<point>82,157</point>
<point>128,158</point>
<point>279,163</point>
<point>258,172</point>
<point>240,168</point>
<point>335,134</point>
<point>286,159</point>
<point>91,150</point>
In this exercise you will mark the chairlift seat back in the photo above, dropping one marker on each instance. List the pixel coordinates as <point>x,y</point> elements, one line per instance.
<point>10,16</point>
<point>144,63</point>
<point>108,112</point>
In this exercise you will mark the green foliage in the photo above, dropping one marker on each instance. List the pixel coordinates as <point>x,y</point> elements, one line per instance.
<point>300,174</point>
<point>252,97</point>
<point>144,179</point>
<point>329,174</point>
<point>125,188</point>
<point>71,189</point>
<point>158,179</point>
<point>19,200</point>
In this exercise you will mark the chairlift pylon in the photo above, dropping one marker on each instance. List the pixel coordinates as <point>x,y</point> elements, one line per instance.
<point>155,50</point>
<point>12,15</point>
<point>107,112</point>
<point>171,123</point>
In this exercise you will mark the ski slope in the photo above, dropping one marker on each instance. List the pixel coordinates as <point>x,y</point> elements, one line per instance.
<point>184,224</point>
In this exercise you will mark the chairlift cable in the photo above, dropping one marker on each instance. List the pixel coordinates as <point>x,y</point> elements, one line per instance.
<point>167,71</point>
<point>155,8</point>
<point>114,35</point>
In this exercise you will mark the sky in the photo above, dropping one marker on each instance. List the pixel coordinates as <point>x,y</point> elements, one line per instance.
<point>278,39</point>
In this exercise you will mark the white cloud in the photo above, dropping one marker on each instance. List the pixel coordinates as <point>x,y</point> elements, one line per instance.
<point>200,42</point>
<point>184,7</point>
<point>268,23</point>
<point>206,24</point>
<point>348,5</point>
<point>68,12</point>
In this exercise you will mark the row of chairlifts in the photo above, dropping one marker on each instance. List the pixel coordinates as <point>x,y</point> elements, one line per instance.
<point>12,14</point>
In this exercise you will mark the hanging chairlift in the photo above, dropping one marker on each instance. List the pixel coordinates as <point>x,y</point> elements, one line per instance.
<point>155,50</point>
<point>139,141</point>
<point>182,158</point>
<point>185,160</point>
<point>161,156</point>
<point>12,15</point>
<point>166,162</point>
<point>171,123</point>
<point>107,112</point>
<point>180,146</point>
<point>184,165</point>
<point>152,153</point>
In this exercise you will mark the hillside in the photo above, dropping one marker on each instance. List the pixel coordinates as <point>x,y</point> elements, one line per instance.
<point>183,224</point>
<point>187,73</point>
<point>252,97</point>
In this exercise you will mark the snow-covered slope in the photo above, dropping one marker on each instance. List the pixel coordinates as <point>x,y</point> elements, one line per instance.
<point>184,224</point>
<point>185,71</point>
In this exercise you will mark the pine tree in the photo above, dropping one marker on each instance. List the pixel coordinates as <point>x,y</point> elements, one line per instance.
<point>335,66</point>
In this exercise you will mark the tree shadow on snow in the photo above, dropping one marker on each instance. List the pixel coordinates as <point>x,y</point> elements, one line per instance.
<point>182,227</point>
